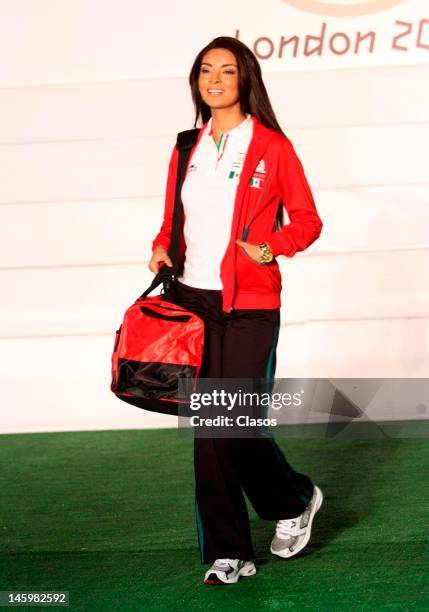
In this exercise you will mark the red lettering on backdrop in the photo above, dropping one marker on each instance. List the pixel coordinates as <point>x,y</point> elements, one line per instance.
<point>270,45</point>
<point>336,50</point>
<point>320,38</point>
<point>338,43</point>
<point>284,42</point>
<point>407,30</point>
<point>423,23</point>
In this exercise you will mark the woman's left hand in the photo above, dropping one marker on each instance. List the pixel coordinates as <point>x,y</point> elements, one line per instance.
<point>252,250</point>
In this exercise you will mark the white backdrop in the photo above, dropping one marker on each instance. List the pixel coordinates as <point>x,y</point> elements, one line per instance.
<point>92,94</point>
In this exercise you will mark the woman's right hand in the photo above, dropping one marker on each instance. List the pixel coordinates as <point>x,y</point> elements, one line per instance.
<point>160,256</point>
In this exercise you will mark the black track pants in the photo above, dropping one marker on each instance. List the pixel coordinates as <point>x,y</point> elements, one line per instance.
<point>239,344</point>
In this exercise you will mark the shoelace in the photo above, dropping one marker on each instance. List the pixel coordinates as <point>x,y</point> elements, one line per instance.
<point>288,527</point>
<point>226,561</point>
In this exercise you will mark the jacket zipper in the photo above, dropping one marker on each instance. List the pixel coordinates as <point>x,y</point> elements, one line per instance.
<point>257,212</point>
<point>246,229</point>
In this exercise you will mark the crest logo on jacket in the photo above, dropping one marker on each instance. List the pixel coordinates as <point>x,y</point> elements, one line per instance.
<point>260,167</point>
<point>258,176</point>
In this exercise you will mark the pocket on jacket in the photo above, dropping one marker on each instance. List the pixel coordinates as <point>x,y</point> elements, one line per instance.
<point>254,277</point>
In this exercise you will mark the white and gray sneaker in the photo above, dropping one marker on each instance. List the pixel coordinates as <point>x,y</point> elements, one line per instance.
<point>228,571</point>
<point>292,535</point>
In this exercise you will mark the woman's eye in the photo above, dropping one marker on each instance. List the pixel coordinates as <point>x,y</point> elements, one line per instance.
<point>232,72</point>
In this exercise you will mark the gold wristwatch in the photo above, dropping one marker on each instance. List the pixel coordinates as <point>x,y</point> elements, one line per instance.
<point>266,254</point>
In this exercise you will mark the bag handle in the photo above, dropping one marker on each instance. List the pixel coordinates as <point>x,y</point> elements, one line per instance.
<point>184,143</point>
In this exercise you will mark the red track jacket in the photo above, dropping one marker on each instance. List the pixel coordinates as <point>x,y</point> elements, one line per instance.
<point>247,283</point>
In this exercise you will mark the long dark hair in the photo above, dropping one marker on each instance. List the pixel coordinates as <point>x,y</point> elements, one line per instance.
<point>252,92</point>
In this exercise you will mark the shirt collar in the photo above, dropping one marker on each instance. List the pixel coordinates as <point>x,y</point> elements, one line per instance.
<point>237,129</point>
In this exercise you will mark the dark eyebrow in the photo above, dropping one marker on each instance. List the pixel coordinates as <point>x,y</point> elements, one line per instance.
<point>208,64</point>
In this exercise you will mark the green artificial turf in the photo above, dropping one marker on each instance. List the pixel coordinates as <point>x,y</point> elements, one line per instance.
<point>109,517</point>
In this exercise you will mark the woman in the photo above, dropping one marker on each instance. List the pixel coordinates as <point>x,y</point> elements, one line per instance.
<point>241,172</point>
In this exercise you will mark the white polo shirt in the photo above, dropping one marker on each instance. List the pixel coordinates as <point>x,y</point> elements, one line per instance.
<point>208,196</point>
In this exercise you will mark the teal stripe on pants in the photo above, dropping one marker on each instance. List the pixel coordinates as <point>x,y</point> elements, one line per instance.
<point>271,364</point>
<point>200,531</point>
<point>304,494</point>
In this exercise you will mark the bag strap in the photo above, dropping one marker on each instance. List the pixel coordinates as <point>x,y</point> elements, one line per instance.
<point>184,143</point>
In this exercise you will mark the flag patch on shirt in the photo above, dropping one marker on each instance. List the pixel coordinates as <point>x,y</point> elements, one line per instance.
<point>237,165</point>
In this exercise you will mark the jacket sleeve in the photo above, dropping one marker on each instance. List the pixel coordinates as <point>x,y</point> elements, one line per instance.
<point>164,235</point>
<point>305,224</point>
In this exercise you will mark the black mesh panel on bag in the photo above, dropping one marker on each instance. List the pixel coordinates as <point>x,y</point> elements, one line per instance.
<point>152,380</point>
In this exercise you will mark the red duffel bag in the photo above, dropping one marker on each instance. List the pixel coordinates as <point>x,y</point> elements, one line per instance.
<point>157,343</point>
<point>160,342</point>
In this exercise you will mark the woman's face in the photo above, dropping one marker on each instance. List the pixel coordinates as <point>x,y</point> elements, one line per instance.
<point>218,78</point>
